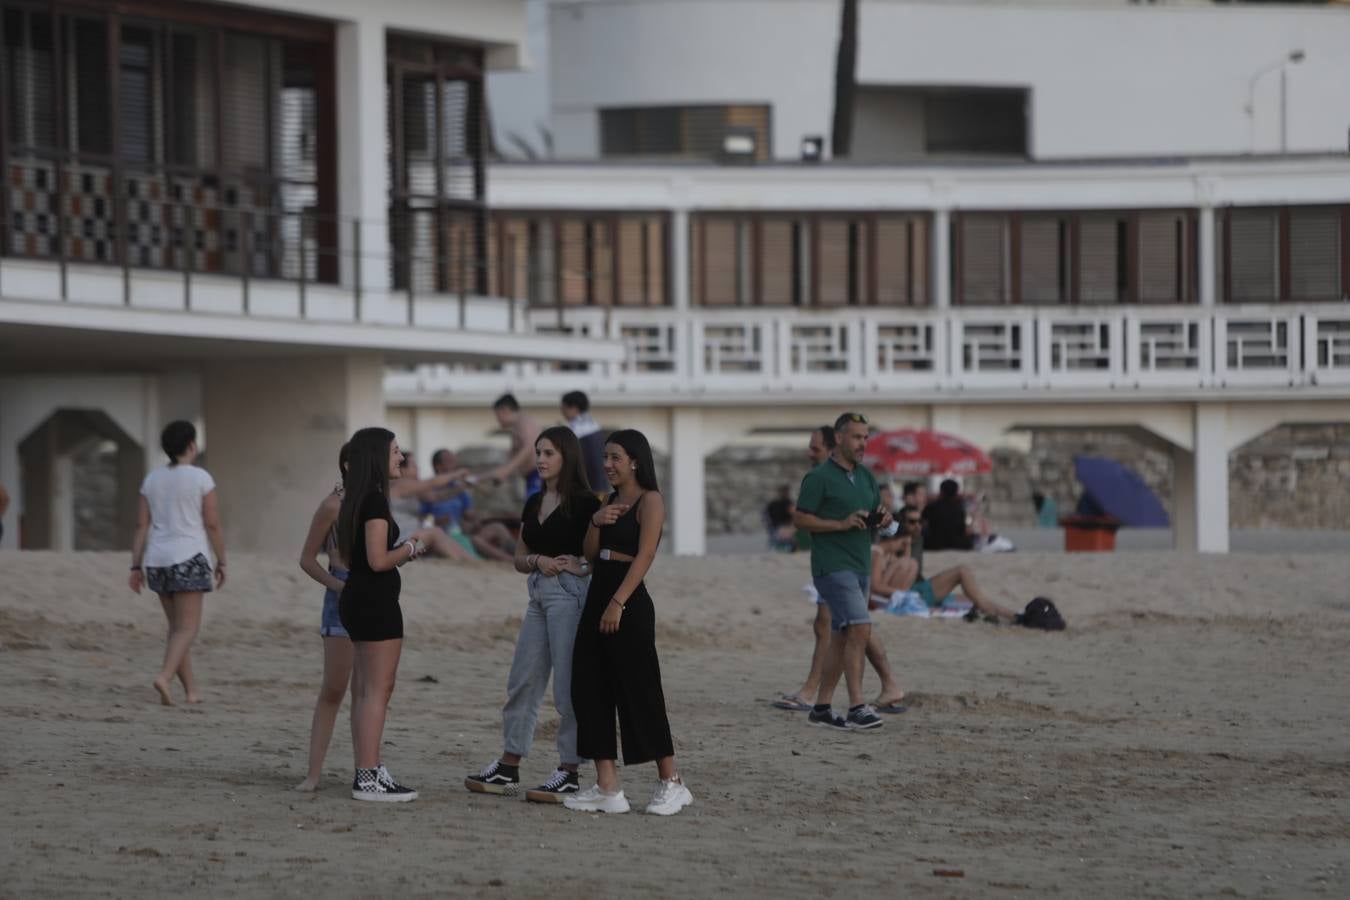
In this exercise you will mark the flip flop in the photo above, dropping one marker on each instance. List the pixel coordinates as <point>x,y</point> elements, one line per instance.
<point>892,708</point>
<point>792,703</point>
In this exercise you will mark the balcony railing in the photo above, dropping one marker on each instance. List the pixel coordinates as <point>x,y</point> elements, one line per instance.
<point>71,231</point>
<point>794,353</point>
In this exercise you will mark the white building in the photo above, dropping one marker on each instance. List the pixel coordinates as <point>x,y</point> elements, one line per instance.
<point>1179,285</point>
<point>215,212</point>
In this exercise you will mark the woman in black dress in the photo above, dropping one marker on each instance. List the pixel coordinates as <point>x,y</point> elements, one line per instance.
<point>614,662</point>
<point>368,540</point>
<point>552,528</point>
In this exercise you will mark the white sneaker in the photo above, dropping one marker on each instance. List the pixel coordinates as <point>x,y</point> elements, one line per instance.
<point>595,800</point>
<point>671,797</point>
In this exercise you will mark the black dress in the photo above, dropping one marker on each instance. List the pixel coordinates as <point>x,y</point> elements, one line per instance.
<point>619,673</point>
<point>369,602</point>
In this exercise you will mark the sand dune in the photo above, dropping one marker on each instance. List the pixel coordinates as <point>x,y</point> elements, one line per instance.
<point>1187,736</point>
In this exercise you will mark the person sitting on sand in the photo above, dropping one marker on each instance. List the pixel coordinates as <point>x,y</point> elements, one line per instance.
<point>934,590</point>
<point>892,570</point>
<point>178,531</point>
<point>404,495</point>
<point>451,509</point>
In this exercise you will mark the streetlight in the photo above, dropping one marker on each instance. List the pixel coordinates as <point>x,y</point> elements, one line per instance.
<point>1295,57</point>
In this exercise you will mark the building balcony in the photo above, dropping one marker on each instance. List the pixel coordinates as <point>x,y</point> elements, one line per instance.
<point>783,357</point>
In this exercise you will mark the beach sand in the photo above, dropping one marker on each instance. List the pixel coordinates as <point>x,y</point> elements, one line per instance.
<point>1188,736</point>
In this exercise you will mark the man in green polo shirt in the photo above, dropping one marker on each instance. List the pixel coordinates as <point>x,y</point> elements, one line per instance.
<point>835,505</point>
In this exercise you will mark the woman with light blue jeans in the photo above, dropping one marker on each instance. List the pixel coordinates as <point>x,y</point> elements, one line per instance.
<point>552,528</point>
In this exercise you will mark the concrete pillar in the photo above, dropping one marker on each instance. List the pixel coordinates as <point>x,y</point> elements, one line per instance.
<point>1200,519</point>
<point>276,426</point>
<point>363,163</point>
<point>63,503</point>
<point>679,258</point>
<point>940,266</point>
<point>686,496</point>
<point>1206,258</point>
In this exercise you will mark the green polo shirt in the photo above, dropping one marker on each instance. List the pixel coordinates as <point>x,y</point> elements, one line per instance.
<point>830,492</point>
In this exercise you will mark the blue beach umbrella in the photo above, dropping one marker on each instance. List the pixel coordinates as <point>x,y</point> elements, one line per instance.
<point>1117,491</point>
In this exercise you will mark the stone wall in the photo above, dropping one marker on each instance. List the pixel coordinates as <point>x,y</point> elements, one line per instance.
<point>1291,477</point>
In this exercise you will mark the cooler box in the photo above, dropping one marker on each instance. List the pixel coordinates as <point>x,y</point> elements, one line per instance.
<point>1089,534</point>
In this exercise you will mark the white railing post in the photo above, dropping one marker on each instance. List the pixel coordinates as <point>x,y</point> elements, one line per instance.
<point>1311,351</point>
<point>1205,257</point>
<point>940,265</point>
<point>1043,332</point>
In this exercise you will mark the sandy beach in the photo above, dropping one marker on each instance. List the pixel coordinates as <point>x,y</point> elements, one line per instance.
<point>1188,736</point>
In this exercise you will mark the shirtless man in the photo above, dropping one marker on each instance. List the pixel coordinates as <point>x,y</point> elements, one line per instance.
<point>523,435</point>
<point>888,701</point>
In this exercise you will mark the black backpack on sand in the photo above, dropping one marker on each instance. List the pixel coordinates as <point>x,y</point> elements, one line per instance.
<point>1041,613</point>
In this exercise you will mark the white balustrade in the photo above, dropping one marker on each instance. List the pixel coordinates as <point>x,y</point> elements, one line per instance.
<point>991,351</point>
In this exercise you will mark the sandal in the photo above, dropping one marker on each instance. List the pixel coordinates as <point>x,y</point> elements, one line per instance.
<point>791,702</point>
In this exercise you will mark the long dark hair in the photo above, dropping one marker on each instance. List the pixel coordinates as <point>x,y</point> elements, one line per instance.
<point>367,473</point>
<point>572,481</point>
<point>634,443</point>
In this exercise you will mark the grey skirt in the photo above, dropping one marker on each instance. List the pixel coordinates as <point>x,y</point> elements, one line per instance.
<point>190,577</point>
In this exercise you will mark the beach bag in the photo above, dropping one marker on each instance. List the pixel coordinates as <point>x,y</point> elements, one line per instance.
<point>1041,613</point>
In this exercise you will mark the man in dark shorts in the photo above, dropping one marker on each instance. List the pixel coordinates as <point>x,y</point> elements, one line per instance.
<point>836,504</point>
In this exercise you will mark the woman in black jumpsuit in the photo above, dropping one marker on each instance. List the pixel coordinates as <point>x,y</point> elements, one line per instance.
<point>615,668</point>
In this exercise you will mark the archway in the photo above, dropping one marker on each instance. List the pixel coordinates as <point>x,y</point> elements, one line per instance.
<point>80,474</point>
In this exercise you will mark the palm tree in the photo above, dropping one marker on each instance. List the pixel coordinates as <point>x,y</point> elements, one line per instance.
<point>845,81</point>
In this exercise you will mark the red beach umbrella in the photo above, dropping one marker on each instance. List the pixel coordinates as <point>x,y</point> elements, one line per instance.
<point>917,453</point>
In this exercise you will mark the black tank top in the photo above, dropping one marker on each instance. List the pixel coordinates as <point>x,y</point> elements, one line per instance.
<point>622,536</point>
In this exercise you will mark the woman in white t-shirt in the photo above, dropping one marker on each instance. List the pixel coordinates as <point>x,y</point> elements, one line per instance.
<point>177,533</point>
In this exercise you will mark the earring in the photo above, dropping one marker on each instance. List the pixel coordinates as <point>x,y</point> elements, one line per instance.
<point>634,468</point>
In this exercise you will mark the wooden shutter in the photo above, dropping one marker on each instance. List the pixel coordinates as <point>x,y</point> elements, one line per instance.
<point>600,238</point>
<point>778,261</point>
<point>658,245</point>
<point>1163,257</point>
<point>459,139</point>
<point>1253,252</point>
<point>1042,269</point>
<point>1100,254</point>
<point>572,272</point>
<point>244,101</point>
<point>984,259</point>
<point>719,245</point>
<point>833,262</point>
<point>1315,254</point>
<point>30,78</point>
<point>902,261</point>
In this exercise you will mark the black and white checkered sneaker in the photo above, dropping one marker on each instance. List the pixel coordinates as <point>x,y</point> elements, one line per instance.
<point>496,778</point>
<point>559,785</point>
<point>379,786</point>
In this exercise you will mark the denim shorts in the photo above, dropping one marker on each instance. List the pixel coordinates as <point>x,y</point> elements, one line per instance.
<point>845,593</point>
<point>330,624</point>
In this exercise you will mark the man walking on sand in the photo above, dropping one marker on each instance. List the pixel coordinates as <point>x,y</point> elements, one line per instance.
<point>889,699</point>
<point>840,505</point>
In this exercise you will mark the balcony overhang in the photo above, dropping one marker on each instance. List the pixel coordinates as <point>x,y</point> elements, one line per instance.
<point>44,335</point>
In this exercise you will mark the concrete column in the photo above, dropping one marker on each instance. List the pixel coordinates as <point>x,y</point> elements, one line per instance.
<point>940,266</point>
<point>687,494</point>
<point>63,503</point>
<point>679,258</point>
<point>363,166</point>
<point>1206,258</point>
<point>276,426</point>
<point>1201,515</point>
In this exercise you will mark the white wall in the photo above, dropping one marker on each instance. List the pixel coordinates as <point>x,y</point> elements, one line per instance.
<point>1106,80</point>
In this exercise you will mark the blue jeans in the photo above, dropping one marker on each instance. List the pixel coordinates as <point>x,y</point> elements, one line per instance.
<point>845,593</point>
<point>546,636</point>
<point>330,625</point>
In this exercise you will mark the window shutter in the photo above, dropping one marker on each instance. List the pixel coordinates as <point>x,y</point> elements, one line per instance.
<point>984,259</point>
<point>31,78</point>
<point>1162,257</point>
<point>719,247</point>
<point>777,262</point>
<point>244,101</point>
<point>902,261</point>
<point>1315,254</point>
<point>657,244</point>
<point>459,139</point>
<point>1254,250</point>
<point>572,260</point>
<point>832,262</point>
<point>601,240</point>
<point>1042,261</point>
<point>1099,254</point>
